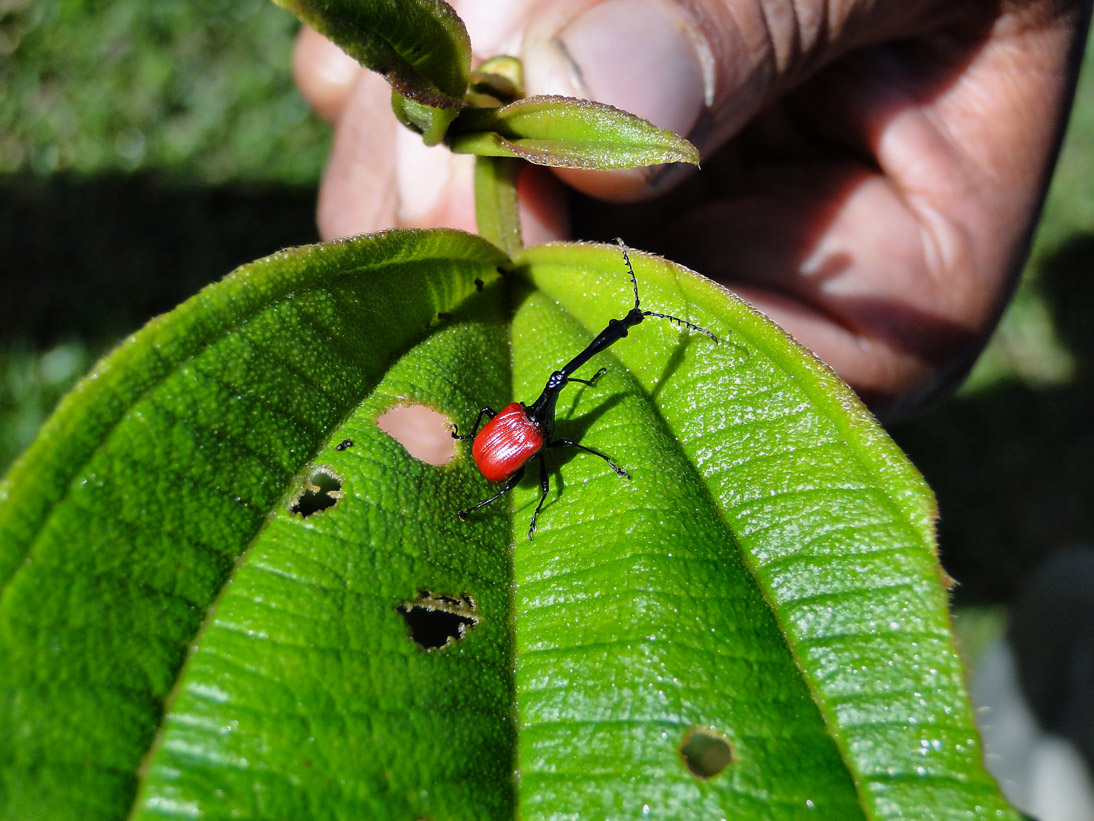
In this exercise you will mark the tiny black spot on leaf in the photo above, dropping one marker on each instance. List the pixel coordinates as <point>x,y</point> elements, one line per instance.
<point>438,620</point>
<point>444,316</point>
<point>705,752</point>
<point>345,443</point>
<point>479,285</point>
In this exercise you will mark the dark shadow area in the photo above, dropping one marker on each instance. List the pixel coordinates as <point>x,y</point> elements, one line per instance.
<point>676,359</point>
<point>1052,637</point>
<point>1013,466</point>
<point>95,258</point>
<point>575,428</point>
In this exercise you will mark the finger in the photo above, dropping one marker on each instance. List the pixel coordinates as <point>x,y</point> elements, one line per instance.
<point>324,73</point>
<point>358,190</point>
<point>701,68</point>
<point>435,188</point>
<point>434,185</point>
<point>379,175</point>
<point>434,191</point>
<point>834,256</point>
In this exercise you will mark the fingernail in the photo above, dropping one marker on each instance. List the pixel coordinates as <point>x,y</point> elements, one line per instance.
<point>643,56</point>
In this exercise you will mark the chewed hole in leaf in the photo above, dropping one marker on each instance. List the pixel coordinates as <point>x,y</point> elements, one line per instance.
<point>437,620</point>
<point>321,490</point>
<point>424,432</point>
<point>705,752</point>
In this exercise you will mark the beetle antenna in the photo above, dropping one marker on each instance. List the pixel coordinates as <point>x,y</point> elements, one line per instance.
<point>683,322</point>
<point>627,259</point>
<point>634,283</point>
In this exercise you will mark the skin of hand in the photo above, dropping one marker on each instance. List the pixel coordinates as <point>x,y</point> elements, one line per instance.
<point>872,172</point>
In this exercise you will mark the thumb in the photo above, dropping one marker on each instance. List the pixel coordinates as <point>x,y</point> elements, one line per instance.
<point>700,68</point>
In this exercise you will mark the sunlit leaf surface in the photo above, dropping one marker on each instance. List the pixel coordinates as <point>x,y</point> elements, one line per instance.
<point>227,591</point>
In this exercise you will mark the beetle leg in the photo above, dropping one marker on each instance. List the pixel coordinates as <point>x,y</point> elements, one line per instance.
<point>489,413</point>
<point>514,480</point>
<point>567,443</point>
<point>544,487</point>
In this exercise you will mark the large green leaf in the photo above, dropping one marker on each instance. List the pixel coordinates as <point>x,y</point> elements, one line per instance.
<point>156,499</point>
<point>769,573</point>
<point>753,625</point>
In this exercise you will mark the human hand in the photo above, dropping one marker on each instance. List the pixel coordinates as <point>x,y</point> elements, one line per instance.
<point>871,171</point>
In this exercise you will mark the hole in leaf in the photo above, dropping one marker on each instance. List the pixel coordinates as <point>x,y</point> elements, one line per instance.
<point>345,443</point>
<point>322,489</point>
<point>436,620</point>
<point>705,752</point>
<point>425,433</point>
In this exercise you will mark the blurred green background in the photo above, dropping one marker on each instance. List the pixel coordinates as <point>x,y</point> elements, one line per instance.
<point>147,148</point>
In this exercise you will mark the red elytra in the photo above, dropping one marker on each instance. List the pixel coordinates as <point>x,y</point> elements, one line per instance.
<point>506,443</point>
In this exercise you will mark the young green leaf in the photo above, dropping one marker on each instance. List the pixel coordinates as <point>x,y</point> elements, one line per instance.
<point>496,81</point>
<point>567,133</point>
<point>432,123</point>
<point>420,46</point>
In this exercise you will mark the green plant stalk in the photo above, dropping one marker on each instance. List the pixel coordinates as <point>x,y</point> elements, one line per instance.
<point>497,208</point>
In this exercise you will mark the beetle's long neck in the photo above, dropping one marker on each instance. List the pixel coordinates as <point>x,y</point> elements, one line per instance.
<point>542,411</point>
<point>616,330</point>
